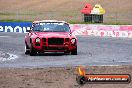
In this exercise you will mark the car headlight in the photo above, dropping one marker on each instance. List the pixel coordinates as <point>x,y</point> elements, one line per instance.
<point>37,40</point>
<point>73,40</point>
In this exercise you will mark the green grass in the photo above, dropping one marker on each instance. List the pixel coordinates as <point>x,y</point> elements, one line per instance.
<point>68,10</point>
<point>109,23</point>
<point>7,14</point>
<point>14,20</point>
<point>10,14</point>
<point>81,22</point>
<point>71,22</point>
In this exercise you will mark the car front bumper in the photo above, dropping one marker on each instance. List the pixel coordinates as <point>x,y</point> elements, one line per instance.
<point>54,48</point>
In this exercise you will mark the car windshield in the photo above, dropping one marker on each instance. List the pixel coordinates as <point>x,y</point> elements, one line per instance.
<point>51,27</point>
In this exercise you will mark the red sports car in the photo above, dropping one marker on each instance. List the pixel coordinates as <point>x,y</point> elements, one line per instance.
<point>50,36</point>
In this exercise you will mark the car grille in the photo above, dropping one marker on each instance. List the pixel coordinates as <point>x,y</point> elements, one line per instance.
<point>55,41</point>
<point>54,48</point>
<point>44,39</point>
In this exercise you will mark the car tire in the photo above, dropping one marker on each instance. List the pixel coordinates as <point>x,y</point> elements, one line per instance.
<point>74,52</point>
<point>32,52</point>
<point>27,49</point>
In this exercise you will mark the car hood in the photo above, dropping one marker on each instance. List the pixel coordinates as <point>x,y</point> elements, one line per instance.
<point>52,34</point>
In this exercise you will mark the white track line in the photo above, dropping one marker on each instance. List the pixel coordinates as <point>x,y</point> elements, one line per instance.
<point>4,36</point>
<point>11,57</point>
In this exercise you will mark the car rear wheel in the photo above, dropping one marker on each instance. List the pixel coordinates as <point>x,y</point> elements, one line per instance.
<point>27,50</point>
<point>32,52</point>
<point>74,52</point>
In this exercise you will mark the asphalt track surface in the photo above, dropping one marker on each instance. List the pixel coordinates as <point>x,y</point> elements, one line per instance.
<point>92,51</point>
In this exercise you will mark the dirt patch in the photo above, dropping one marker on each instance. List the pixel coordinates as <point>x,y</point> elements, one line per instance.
<point>57,77</point>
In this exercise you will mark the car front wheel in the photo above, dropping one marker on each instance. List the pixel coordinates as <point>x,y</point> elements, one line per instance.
<point>32,52</point>
<point>74,52</point>
<point>27,50</point>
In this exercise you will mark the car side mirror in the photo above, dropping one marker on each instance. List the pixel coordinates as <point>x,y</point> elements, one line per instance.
<point>29,30</point>
<point>70,32</point>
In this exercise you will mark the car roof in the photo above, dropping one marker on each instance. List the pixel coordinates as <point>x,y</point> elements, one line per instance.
<point>49,21</point>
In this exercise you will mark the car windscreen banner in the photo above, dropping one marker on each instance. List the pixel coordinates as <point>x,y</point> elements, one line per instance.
<point>19,27</point>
